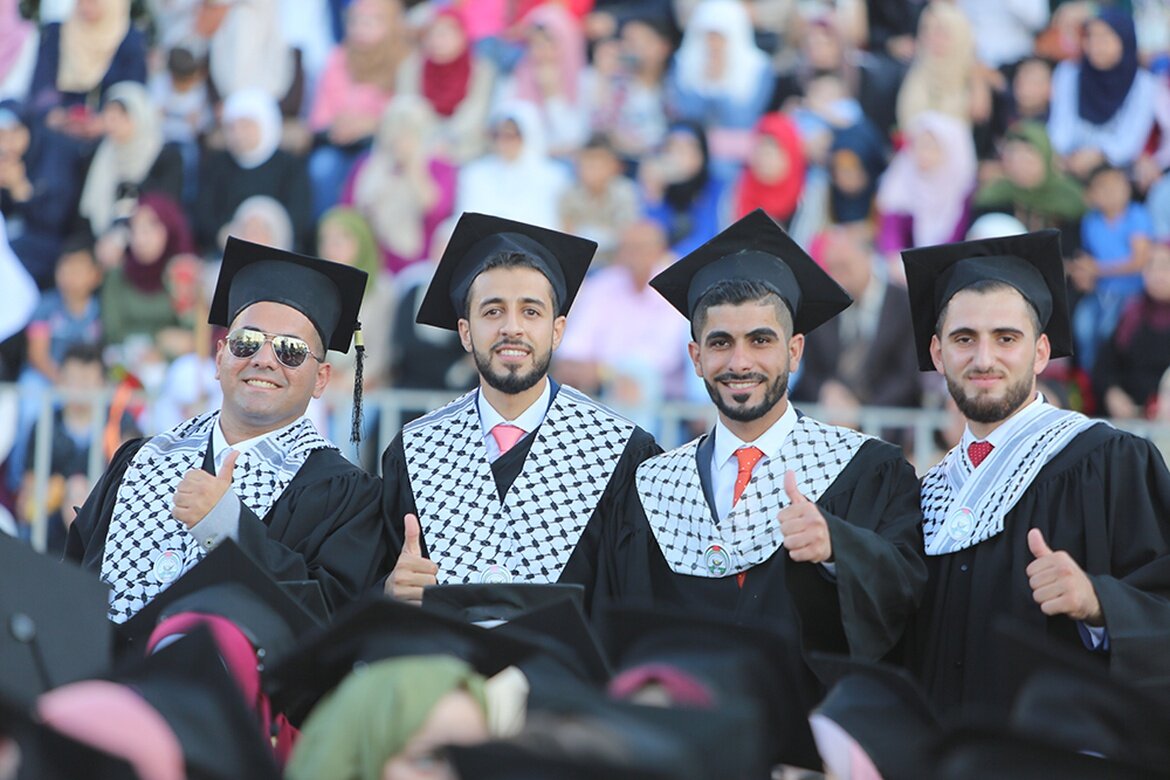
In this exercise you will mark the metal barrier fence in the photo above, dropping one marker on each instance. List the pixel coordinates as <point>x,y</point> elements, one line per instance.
<point>916,427</point>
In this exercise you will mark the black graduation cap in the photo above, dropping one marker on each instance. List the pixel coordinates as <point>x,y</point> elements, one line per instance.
<point>492,602</point>
<point>511,761</point>
<point>563,258</point>
<point>329,294</point>
<point>756,249</point>
<point>55,624</point>
<point>375,629</point>
<point>1032,263</point>
<point>230,584</point>
<point>738,663</point>
<point>883,708</point>
<point>562,633</point>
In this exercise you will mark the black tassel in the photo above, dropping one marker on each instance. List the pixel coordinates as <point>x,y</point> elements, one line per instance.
<point>355,433</point>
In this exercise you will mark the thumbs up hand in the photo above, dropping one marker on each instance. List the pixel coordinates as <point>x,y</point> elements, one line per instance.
<point>1059,585</point>
<point>199,492</point>
<point>806,533</point>
<point>412,572</point>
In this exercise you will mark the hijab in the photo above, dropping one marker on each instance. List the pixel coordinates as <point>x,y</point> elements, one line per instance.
<point>1059,196</point>
<point>271,211</point>
<point>148,277</point>
<point>16,32</point>
<point>940,83</point>
<point>569,40</point>
<point>445,84</point>
<point>370,717</point>
<point>377,63</point>
<point>780,198</point>
<point>260,106</point>
<point>746,62</point>
<point>680,196</point>
<point>249,51</point>
<point>352,221</point>
<point>1102,92</point>
<point>88,48</point>
<point>117,163</point>
<point>861,144</point>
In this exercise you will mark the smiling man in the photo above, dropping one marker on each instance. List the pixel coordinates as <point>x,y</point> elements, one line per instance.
<point>256,471</point>
<point>505,484</point>
<point>772,517</point>
<point>1044,515</point>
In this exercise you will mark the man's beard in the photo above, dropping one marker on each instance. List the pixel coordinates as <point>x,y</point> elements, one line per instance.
<point>772,395</point>
<point>989,410</point>
<point>511,381</point>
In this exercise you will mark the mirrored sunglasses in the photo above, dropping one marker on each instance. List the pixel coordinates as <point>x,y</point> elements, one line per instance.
<point>290,351</point>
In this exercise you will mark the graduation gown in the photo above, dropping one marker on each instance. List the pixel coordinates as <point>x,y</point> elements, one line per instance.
<point>324,526</point>
<point>1105,500</point>
<point>398,496</point>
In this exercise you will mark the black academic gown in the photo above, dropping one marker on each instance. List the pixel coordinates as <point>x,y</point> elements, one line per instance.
<point>1104,499</point>
<point>581,567</point>
<point>324,527</point>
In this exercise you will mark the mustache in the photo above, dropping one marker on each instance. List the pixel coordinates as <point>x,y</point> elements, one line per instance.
<point>730,377</point>
<point>511,343</point>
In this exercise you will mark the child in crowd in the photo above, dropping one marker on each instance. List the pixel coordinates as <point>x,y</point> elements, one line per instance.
<point>180,92</point>
<point>602,202</point>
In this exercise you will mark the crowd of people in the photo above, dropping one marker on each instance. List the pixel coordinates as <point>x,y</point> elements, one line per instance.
<point>573,211</point>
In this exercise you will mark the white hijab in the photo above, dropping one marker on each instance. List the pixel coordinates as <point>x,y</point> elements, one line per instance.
<point>746,62</point>
<point>257,105</point>
<point>249,50</point>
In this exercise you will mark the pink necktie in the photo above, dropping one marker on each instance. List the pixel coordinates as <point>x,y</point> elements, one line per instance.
<point>978,450</point>
<point>506,436</point>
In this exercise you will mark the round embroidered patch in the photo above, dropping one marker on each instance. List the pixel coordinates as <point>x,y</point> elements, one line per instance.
<point>716,560</point>
<point>495,575</point>
<point>960,523</point>
<point>168,565</point>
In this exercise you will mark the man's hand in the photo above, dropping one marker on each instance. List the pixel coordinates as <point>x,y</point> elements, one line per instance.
<point>806,534</point>
<point>412,572</point>
<point>199,491</point>
<point>1059,585</point>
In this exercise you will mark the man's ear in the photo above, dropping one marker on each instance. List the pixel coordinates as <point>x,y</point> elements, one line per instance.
<point>693,349</point>
<point>795,352</point>
<point>558,331</point>
<point>936,353</point>
<point>324,371</point>
<point>465,334</point>
<point>1043,354</point>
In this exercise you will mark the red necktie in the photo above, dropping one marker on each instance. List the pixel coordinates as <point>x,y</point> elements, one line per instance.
<point>978,450</point>
<point>748,457</point>
<point>506,436</point>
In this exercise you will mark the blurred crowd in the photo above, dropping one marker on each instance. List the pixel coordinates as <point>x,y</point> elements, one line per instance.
<point>136,135</point>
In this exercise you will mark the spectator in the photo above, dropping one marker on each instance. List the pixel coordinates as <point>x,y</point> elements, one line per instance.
<point>517,179</point>
<point>262,220</point>
<point>133,158</point>
<point>248,51</point>
<point>602,202</point>
<point>357,83</point>
<point>1031,94</point>
<point>1102,106</point>
<point>922,198</point>
<point>1004,30</point>
<point>18,51</point>
<point>857,158</point>
<point>180,93</point>
<point>639,115</point>
<point>678,190</point>
<point>722,80</point>
<point>1133,361</point>
<point>21,299</point>
<point>402,188</point>
<point>774,176</point>
<point>1115,239</point>
<point>455,81</point>
<point>252,164</point>
<point>95,48</point>
<point>38,189</point>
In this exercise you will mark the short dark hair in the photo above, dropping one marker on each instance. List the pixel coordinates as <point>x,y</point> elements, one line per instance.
<point>89,354</point>
<point>76,243</point>
<point>734,292</point>
<point>509,258</point>
<point>984,287</point>
<point>602,142</point>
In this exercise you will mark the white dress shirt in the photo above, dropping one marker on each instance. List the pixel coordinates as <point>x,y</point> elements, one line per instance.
<point>724,464</point>
<point>528,420</point>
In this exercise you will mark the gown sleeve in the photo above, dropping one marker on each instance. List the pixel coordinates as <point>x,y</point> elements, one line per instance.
<point>85,542</point>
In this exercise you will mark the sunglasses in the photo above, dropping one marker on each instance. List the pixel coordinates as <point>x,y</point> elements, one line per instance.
<point>289,350</point>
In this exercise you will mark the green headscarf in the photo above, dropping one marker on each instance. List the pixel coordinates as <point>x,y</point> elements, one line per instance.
<point>369,258</point>
<point>373,713</point>
<point>1058,197</point>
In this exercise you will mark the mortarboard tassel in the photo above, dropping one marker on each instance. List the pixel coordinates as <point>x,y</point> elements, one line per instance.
<point>355,433</point>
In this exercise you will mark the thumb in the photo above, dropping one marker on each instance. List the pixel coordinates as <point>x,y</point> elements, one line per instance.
<point>229,465</point>
<point>794,494</point>
<point>412,545</point>
<point>1037,544</point>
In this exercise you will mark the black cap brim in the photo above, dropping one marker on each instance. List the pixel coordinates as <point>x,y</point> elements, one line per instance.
<point>56,628</point>
<point>475,602</point>
<point>511,761</point>
<point>1031,263</point>
<point>756,249</point>
<point>329,294</point>
<point>230,584</point>
<point>977,753</point>
<point>564,259</point>
<point>560,629</point>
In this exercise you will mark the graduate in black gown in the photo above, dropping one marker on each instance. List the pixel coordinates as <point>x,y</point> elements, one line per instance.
<point>508,483</point>
<point>1054,519</point>
<point>256,471</point>
<point>772,517</point>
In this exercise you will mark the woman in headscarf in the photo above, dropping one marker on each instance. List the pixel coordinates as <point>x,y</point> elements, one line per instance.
<point>1033,188</point>
<point>402,188</point>
<point>1103,105</point>
<point>354,88</point>
<point>678,190</point>
<point>517,179</point>
<point>722,80</point>
<point>550,76</point>
<point>773,178</point>
<point>262,220</point>
<point>389,720</point>
<point>18,51</point>
<point>857,158</point>
<point>455,80</point>
<point>131,159</point>
<point>923,196</point>
<point>944,75</point>
<point>80,59</point>
<point>252,164</point>
<point>248,51</point>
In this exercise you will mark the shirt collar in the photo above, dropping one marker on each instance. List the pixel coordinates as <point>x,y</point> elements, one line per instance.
<point>1009,426</point>
<point>769,442</point>
<point>528,420</point>
<point>220,446</point>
